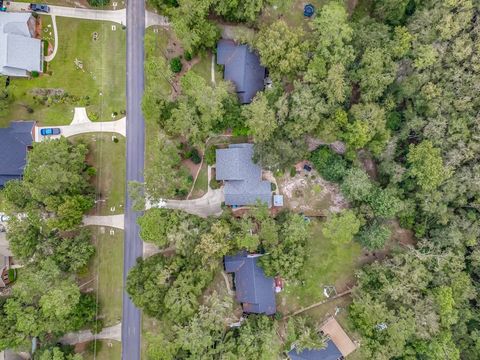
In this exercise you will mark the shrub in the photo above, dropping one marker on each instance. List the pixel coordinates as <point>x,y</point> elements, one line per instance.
<point>214,184</point>
<point>210,155</point>
<point>188,56</point>
<point>374,236</point>
<point>35,74</point>
<point>273,186</point>
<point>195,156</point>
<point>98,3</point>
<point>176,65</point>
<point>91,171</point>
<point>12,275</point>
<point>330,165</point>
<point>293,171</point>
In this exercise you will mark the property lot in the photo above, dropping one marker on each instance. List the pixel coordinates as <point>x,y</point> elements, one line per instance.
<point>88,70</point>
<point>108,158</point>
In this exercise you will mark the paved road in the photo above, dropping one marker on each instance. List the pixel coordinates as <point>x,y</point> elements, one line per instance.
<point>131,329</point>
<point>117,16</point>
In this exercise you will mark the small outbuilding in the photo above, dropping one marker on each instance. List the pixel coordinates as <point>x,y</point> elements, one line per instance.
<point>278,200</point>
<point>253,289</point>
<point>242,68</point>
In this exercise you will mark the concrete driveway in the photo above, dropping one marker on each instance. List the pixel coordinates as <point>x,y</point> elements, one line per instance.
<point>117,16</point>
<point>208,205</point>
<point>109,333</point>
<point>114,221</point>
<point>81,124</point>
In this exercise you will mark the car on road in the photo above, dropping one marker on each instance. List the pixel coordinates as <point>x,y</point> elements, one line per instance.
<point>40,8</point>
<point>50,131</point>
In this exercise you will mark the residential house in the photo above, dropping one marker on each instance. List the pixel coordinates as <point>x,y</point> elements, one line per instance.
<point>14,144</point>
<point>339,344</point>
<point>254,290</point>
<point>20,52</point>
<point>242,177</point>
<point>242,68</point>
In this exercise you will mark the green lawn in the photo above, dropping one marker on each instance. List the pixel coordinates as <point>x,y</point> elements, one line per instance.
<point>108,158</point>
<point>107,350</point>
<point>201,185</point>
<point>204,67</point>
<point>99,84</point>
<point>106,272</point>
<point>326,264</point>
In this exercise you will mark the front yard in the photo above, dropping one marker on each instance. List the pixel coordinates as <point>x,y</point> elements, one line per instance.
<point>88,70</point>
<point>108,158</point>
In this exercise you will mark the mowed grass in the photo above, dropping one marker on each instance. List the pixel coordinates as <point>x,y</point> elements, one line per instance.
<point>201,185</point>
<point>204,67</point>
<point>105,271</point>
<point>326,264</point>
<point>107,350</point>
<point>108,158</point>
<point>99,84</point>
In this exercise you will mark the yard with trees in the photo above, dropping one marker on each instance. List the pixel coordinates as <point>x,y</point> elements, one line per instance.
<point>393,82</point>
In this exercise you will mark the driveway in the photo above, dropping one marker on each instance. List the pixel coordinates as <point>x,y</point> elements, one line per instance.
<point>117,16</point>
<point>114,221</point>
<point>208,205</point>
<point>81,124</point>
<point>109,333</point>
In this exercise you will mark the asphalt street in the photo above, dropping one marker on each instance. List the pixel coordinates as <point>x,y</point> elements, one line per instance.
<point>131,322</point>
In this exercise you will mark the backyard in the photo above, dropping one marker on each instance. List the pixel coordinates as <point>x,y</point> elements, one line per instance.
<point>88,70</point>
<point>108,158</point>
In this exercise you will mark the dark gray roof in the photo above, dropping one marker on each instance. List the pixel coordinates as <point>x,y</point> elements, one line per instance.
<point>14,142</point>
<point>253,289</point>
<point>242,67</point>
<point>331,352</point>
<point>243,178</point>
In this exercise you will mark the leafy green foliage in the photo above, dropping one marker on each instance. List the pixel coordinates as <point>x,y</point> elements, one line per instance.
<point>176,65</point>
<point>342,227</point>
<point>374,236</point>
<point>331,166</point>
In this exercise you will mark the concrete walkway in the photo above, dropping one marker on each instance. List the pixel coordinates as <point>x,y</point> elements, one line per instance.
<point>50,57</point>
<point>114,221</point>
<point>81,124</point>
<point>109,333</point>
<point>208,205</point>
<point>116,16</point>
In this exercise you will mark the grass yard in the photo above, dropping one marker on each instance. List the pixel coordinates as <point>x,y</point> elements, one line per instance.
<point>201,185</point>
<point>81,4</point>
<point>106,350</point>
<point>204,67</point>
<point>85,72</point>
<point>108,158</point>
<point>105,273</point>
<point>326,264</point>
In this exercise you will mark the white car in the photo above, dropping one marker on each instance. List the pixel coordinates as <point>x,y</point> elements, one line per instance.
<point>4,218</point>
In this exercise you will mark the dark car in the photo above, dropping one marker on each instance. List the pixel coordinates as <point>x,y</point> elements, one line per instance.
<point>40,8</point>
<point>307,168</point>
<point>50,131</point>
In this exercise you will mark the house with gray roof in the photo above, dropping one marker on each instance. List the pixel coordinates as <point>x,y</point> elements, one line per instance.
<point>330,352</point>
<point>242,177</point>
<point>20,52</point>
<point>14,144</point>
<point>242,68</point>
<point>254,290</point>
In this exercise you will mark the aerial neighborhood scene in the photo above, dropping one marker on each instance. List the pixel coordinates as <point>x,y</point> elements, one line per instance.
<point>240,179</point>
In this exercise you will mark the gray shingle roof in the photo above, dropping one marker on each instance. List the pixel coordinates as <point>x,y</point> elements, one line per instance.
<point>331,352</point>
<point>253,289</point>
<point>242,67</point>
<point>14,142</point>
<point>243,178</point>
<point>19,52</point>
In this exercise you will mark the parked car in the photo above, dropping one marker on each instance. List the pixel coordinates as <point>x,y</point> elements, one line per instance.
<point>50,131</point>
<point>4,218</point>
<point>40,8</point>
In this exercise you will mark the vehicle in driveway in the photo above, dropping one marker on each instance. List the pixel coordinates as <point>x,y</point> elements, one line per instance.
<point>50,131</point>
<point>40,8</point>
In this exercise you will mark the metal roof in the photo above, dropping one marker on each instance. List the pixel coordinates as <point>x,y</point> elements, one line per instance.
<point>331,352</point>
<point>19,52</point>
<point>243,178</point>
<point>242,67</point>
<point>253,289</point>
<point>14,143</point>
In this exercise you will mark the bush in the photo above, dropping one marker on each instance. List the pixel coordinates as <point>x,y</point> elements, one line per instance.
<point>188,56</point>
<point>195,156</point>
<point>35,74</point>
<point>98,3</point>
<point>12,275</point>
<point>214,184</point>
<point>330,165</point>
<point>273,187</point>
<point>210,155</point>
<point>91,171</point>
<point>293,171</point>
<point>374,236</point>
<point>176,65</point>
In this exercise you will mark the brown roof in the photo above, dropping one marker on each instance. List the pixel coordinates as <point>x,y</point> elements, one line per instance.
<point>339,337</point>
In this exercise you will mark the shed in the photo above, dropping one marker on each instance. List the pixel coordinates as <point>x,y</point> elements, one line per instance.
<point>278,200</point>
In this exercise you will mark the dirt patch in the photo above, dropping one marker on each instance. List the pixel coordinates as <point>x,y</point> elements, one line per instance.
<point>368,164</point>
<point>191,166</point>
<point>351,5</point>
<point>309,193</point>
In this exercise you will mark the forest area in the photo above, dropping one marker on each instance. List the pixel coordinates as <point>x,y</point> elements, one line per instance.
<point>396,80</point>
